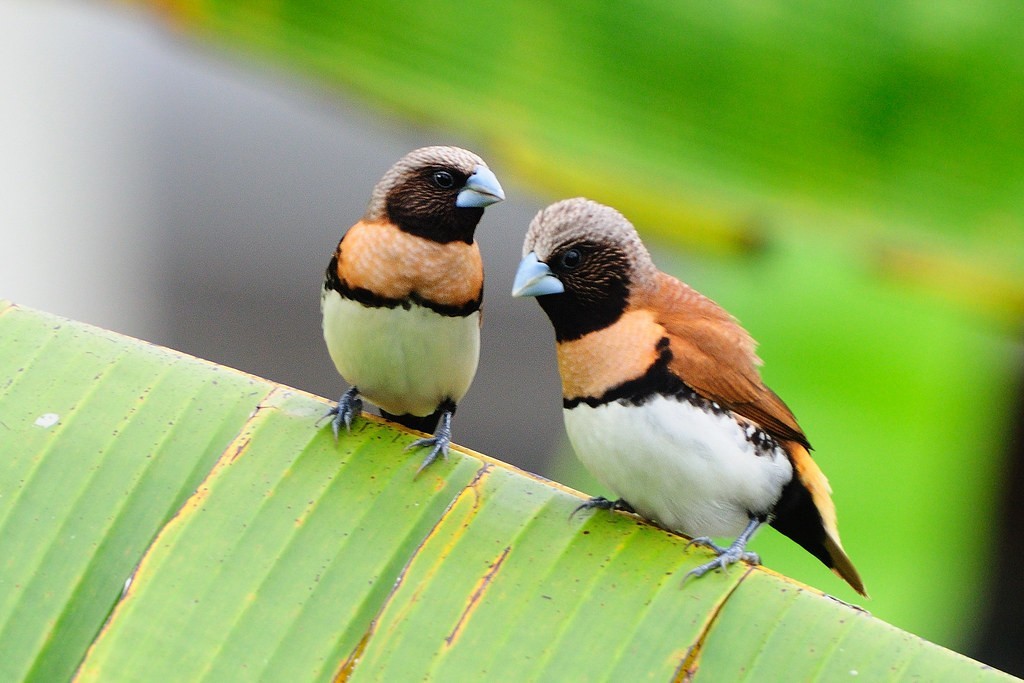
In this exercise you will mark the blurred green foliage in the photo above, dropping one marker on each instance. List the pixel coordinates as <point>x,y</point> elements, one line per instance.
<point>845,177</point>
<point>873,117</point>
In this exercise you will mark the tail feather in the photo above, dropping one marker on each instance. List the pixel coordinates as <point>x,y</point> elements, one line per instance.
<point>806,514</point>
<point>842,566</point>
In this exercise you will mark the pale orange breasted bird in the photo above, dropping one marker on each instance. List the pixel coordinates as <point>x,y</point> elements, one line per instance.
<point>402,294</point>
<point>662,398</point>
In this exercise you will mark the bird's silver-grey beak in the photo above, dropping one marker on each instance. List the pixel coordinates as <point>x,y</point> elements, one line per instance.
<point>535,278</point>
<point>482,189</point>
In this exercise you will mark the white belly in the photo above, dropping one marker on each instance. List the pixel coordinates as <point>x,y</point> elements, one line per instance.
<point>405,361</point>
<point>687,469</point>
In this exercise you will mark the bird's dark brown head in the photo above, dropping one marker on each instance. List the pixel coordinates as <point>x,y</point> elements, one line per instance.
<point>436,192</point>
<point>581,260</point>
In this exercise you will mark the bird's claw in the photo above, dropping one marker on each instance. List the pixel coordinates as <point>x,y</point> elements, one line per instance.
<point>441,442</point>
<point>725,556</point>
<point>602,503</point>
<point>706,542</point>
<point>729,556</point>
<point>349,407</point>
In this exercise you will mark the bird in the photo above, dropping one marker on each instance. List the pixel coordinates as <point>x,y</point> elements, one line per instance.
<point>662,397</point>
<point>401,298</point>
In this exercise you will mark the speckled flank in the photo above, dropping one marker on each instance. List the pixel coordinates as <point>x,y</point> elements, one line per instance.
<point>448,274</point>
<point>690,469</point>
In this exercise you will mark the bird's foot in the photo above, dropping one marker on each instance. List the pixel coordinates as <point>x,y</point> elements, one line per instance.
<point>705,542</point>
<point>602,503</point>
<point>349,407</point>
<point>439,443</point>
<point>730,555</point>
<point>736,552</point>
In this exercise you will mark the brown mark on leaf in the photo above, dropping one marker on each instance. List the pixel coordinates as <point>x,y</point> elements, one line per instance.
<point>687,669</point>
<point>474,484</point>
<point>240,447</point>
<point>474,598</point>
<point>191,506</point>
<point>347,667</point>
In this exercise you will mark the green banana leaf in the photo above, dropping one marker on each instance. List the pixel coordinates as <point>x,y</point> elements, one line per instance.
<point>164,518</point>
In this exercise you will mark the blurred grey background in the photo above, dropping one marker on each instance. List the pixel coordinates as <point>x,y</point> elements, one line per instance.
<point>159,190</point>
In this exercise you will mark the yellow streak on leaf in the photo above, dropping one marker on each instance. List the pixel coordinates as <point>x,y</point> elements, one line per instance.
<point>474,598</point>
<point>348,666</point>
<point>234,450</point>
<point>691,661</point>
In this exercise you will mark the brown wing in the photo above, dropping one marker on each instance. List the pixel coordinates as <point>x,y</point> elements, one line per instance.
<point>715,356</point>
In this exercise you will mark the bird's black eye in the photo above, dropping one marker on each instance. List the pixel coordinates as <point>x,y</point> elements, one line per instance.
<point>571,258</point>
<point>443,179</point>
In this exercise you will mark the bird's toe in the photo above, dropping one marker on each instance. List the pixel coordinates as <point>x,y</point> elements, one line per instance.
<point>706,542</point>
<point>349,407</point>
<point>602,503</point>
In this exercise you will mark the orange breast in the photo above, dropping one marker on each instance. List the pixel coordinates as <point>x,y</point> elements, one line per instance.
<point>606,358</point>
<point>394,264</point>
